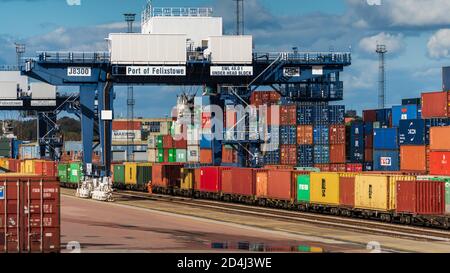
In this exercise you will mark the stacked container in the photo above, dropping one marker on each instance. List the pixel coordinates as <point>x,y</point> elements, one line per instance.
<point>413,149</point>
<point>440,150</point>
<point>386,149</point>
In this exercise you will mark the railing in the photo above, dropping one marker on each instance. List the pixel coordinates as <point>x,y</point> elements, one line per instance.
<point>305,57</point>
<point>150,12</point>
<point>74,57</point>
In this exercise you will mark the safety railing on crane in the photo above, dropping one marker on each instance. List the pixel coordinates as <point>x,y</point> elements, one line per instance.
<point>304,57</point>
<point>74,57</point>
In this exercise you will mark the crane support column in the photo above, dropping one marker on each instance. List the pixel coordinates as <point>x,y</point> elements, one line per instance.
<point>87,104</point>
<point>105,108</point>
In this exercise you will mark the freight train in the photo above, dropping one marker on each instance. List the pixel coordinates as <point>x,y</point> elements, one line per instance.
<point>411,199</point>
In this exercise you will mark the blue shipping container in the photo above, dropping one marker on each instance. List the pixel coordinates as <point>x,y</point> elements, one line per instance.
<point>288,135</point>
<point>368,128</point>
<point>272,157</point>
<point>321,154</point>
<point>305,114</point>
<point>321,135</point>
<point>403,112</point>
<point>207,141</point>
<point>357,143</point>
<point>305,156</point>
<point>321,115</point>
<point>385,139</point>
<point>384,115</point>
<point>386,160</point>
<point>336,114</point>
<point>412,132</point>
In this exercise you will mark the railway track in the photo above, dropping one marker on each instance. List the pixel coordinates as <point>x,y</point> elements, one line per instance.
<point>365,225</point>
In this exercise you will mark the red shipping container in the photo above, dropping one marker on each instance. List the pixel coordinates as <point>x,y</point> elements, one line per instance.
<point>354,168</point>
<point>305,135</point>
<point>337,134</point>
<point>126,125</point>
<point>440,163</point>
<point>30,215</point>
<point>45,168</point>
<point>168,142</point>
<point>288,115</point>
<point>337,153</point>
<point>338,168</point>
<point>229,155</point>
<point>368,155</point>
<point>166,175</point>
<point>323,167</point>
<point>264,98</point>
<point>280,186</point>
<point>288,155</point>
<point>180,144</point>
<point>369,116</point>
<point>347,191</point>
<point>206,156</point>
<point>211,179</point>
<point>435,105</point>
<point>14,165</point>
<point>238,181</point>
<point>368,141</point>
<point>421,197</point>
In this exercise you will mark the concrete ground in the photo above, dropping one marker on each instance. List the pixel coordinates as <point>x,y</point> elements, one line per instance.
<point>152,226</point>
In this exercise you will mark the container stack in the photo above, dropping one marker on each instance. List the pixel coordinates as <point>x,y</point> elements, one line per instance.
<point>439,150</point>
<point>386,150</point>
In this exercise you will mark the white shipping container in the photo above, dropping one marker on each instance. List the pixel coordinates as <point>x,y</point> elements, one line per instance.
<point>147,49</point>
<point>193,154</point>
<point>152,155</point>
<point>122,135</point>
<point>41,90</point>
<point>230,49</point>
<point>119,156</point>
<point>8,90</point>
<point>16,77</point>
<point>152,142</point>
<point>140,156</point>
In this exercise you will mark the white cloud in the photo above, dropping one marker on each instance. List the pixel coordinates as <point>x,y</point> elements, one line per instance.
<point>439,44</point>
<point>394,43</point>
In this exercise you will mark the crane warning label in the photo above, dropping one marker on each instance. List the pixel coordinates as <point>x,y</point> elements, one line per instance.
<point>156,71</point>
<point>231,70</point>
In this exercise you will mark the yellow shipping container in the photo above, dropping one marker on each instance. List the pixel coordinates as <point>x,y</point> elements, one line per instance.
<point>187,179</point>
<point>377,192</point>
<point>4,163</point>
<point>131,173</point>
<point>29,167</point>
<point>325,188</point>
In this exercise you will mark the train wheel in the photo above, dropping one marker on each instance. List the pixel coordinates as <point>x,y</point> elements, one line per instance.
<point>408,220</point>
<point>446,224</point>
<point>388,218</point>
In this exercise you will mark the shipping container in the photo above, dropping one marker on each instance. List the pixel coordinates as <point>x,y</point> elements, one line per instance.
<point>31,207</point>
<point>354,167</point>
<point>45,168</point>
<point>377,192</point>
<point>421,197</point>
<point>63,172</point>
<point>435,105</point>
<point>76,172</point>
<point>118,156</point>
<point>323,167</point>
<point>119,174</point>
<point>439,163</point>
<point>193,154</point>
<point>130,173</point>
<point>347,191</point>
<point>229,155</point>
<point>187,179</point>
<point>321,115</point>
<point>385,139</point>
<point>211,179</point>
<point>288,114</point>
<point>126,125</point>
<point>336,114</point>
<point>288,135</point>
<point>305,135</point>
<point>206,156</point>
<point>305,114</point>
<point>357,143</point>
<point>145,49</point>
<point>413,158</point>
<point>412,132</point>
<point>413,101</point>
<point>259,98</point>
<point>384,116</point>
<point>230,49</point>
<point>339,168</point>
<point>337,154</point>
<point>386,160</point>
<point>279,185</point>
<point>238,181</point>
<point>368,167</point>
<point>143,173</point>
<point>272,157</point>
<point>181,155</point>
<point>369,115</point>
<point>445,179</point>
<point>288,155</point>
<point>325,188</point>
<point>322,154</point>
<point>166,175</point>
<point>303,188</point>
<point>305,156</point>
<point>440,138</point>
<point>337,134</point>
<point>321,135</point>
<point>403,112</point>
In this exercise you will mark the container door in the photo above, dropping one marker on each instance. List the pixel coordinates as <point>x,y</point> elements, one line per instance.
<point>303,186</point>
<point>9,217</point>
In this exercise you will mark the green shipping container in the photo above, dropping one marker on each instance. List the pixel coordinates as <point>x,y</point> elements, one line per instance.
<point>303,188</point>
<point>119,174</point>
<point>144,174</point>
<point>172,155</point>
<point>159,142</point>
<point>75,172</point>
<point>160,155</point>
<point>63,172</point>
<point>445,179</point>
<point>181,156</point>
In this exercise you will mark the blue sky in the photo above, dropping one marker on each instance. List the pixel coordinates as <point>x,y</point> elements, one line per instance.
<point>418,41</point>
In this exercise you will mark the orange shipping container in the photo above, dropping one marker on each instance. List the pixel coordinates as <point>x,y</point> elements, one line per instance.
<point>229,155</point>
<point>206,156</point>
<point>337,153</point>
<point>435,105</point>
<point>440,138</point>
<point>305,135</point>
<point>261,182</point>
<point>413,158</point>
<point>288,154</point>
<point>288,115</point>
<point>126,125</point>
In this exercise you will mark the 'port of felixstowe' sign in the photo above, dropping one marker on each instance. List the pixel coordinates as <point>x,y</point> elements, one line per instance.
<point>156,70</point>
<point>231,70</point>
<point>11,103</point>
